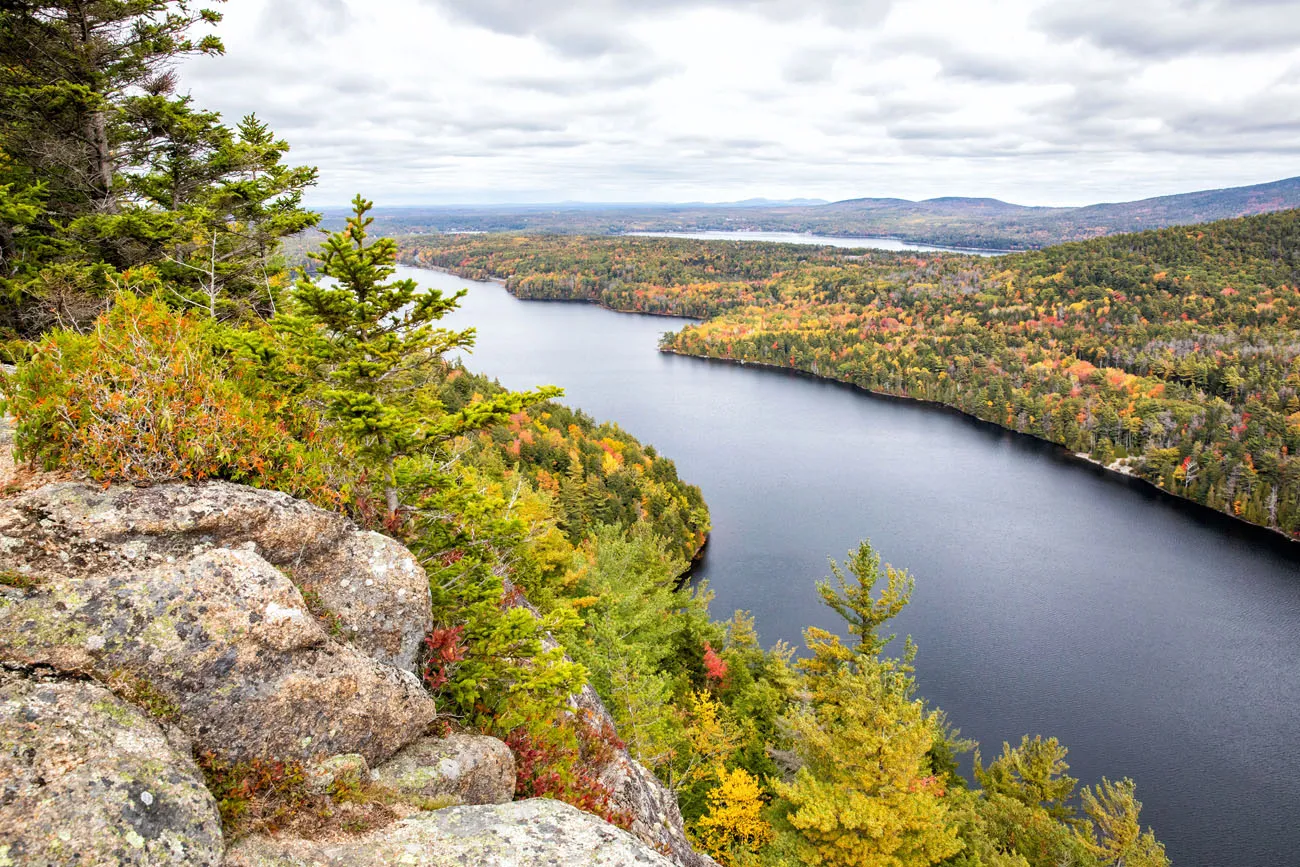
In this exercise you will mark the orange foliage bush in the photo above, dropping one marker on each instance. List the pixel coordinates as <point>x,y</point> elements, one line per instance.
<point>148,397</point>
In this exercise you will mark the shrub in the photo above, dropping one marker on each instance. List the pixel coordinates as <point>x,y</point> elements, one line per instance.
<point>273,796</point>
<point>563,762</point>
<point>150,396</point>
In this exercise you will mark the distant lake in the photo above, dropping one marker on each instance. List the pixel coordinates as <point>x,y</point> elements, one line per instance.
<point>819,240</point>
<point>1156,639</point>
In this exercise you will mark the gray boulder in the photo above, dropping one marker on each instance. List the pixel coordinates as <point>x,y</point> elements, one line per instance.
<point>87,779</point>
<point>473,769</point>
<point>522,834</point>
<point>367,585</point>
<point>218,640</point>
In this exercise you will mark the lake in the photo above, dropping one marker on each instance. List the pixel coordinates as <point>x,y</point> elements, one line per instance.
<point>819,240</point>
<point>1157,640</point>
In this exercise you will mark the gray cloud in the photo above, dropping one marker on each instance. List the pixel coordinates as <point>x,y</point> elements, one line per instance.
<point>1170,28</point>
<point>810,66</point>
<point>690,100</point>
<point>307,20</point>
<point>593,77</point>
<point>986,68</point>
<point>593,28</point>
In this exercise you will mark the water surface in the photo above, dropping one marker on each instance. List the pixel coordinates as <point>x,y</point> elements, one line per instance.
<point>854,243</point>
<point>1157,640</point>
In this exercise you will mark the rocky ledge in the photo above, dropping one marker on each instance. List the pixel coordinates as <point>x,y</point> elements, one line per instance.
<point>536,832</point>
<point>86,778</point>
<point>142,627</point>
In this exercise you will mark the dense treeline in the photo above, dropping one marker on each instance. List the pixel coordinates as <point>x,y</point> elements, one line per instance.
<point>643,275</point>
<point>1169,354</point>
<point>595,474</point>
<point>160,339</point>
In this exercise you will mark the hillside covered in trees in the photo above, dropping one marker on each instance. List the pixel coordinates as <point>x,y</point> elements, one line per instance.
<point>1168,354</point>
<point>158,338</point>
<point>952,221</point>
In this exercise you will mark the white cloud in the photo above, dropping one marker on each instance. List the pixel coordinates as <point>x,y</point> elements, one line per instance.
<point>1036,101</point>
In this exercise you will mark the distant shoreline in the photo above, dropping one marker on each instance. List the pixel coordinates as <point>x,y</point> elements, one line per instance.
<point>590,301</point>
<point>923,246</point>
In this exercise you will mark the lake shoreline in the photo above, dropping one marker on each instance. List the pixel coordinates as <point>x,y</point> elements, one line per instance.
<point>1124,475</point>
<point>591,301</point>
<point>1077,603</point>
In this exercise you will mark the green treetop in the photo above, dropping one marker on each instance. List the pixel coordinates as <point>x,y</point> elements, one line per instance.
<point>371,342</point>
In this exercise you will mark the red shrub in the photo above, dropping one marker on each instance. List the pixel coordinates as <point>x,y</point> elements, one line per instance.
<point>564,764</point>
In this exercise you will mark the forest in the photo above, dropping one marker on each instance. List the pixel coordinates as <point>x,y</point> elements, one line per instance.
<point>158,335</point>
<point>1169,355</point>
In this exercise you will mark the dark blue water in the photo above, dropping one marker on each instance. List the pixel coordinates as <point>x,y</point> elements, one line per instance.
<point>1158,641</point>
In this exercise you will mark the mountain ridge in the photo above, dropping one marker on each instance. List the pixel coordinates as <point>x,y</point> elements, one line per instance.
<point>956,221</point>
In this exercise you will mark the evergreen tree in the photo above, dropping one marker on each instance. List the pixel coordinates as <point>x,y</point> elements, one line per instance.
<point>1033,773</point>
<point>373,346</point>
<point>1116,837</point>
<point>110,181</point>
<point>66,68</point>
<point>866,795</point>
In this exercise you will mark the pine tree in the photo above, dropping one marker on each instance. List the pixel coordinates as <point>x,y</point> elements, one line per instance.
<point>66,68</point>
<point>1033,773</point>
<point>372,345</point>
<point>1116,837</point>
<point>109,180</point>
<point>867,795</point>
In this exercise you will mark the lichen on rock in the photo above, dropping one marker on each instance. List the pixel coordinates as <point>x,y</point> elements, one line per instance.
<point>87,779</point>
<point>372,586</point>
<point>224,638</point>
<point>473,769</point>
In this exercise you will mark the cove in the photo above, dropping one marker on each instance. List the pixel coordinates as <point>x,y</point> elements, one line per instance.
<point>1157,640</point>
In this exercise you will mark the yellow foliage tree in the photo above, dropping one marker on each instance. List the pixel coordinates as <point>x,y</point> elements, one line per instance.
<point>866,795</point>
<point>1116,836</point>
<point>708,739</point>
<point>734,823</point>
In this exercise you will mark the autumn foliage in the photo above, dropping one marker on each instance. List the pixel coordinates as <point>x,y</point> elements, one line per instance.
<point>564,763</point>
<point>149,396</point>
<point>1138,351</point>
<point>735,819</point>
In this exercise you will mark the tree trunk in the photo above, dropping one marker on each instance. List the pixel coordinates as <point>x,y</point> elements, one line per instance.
<point>102,170</point>
<point>8,252</point>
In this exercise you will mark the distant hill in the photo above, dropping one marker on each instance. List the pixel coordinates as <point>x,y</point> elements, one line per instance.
<point>980,223</point>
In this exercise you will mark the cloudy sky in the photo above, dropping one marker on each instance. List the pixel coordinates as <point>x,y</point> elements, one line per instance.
<point>1033,101</point>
